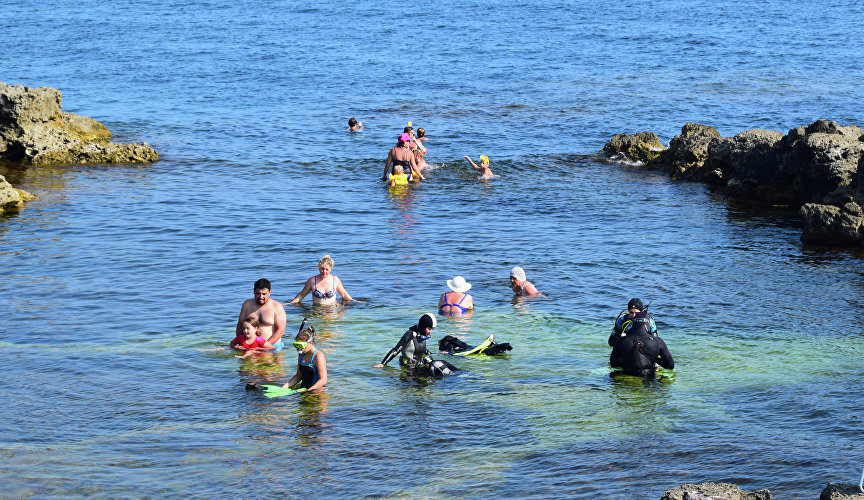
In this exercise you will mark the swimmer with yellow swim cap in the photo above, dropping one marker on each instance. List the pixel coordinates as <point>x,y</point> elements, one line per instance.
<point>485,171</point>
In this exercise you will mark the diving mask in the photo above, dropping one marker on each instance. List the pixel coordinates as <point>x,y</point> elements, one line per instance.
<point>300,344</point>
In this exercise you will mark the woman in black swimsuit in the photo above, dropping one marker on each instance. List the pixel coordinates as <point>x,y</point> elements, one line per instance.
<point>401,155</point>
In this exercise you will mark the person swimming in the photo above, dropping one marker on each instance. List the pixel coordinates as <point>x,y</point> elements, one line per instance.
<point>483,168</point>
<point>637,350</point>
<point>456,301</point>
<point>413,353</point>
<point>311,372</point>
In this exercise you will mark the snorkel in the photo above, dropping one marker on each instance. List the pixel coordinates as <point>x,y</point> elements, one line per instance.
<point>301,344</point>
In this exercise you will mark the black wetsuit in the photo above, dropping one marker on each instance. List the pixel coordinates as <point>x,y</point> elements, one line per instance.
<point>636,351</point>
<point>416,357</point>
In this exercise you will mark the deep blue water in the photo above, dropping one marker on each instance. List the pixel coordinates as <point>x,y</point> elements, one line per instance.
<point>121,283</point>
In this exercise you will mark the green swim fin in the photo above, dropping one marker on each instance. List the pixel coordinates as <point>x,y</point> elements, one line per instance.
<point>274,391</point>
<point>479,349</point>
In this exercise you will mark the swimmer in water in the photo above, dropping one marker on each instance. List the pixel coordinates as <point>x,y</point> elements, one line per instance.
<point>250,341</point>
<point>269,312</point>
<point>311,365</point>
<point>324,286</point>
<point>398,177</point>
<point>401,155</point>
<point>485,171</point>
<point>354,125</point>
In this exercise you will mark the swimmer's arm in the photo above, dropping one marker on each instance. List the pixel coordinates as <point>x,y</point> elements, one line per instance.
<point>415,168</point>
<point>441,301</point>
<point>293,380</point>
<point>278,324</point>
<point>234,344</point>
<point>321,365</point>
<point>393,352</point>
<point>306,289</point>
<point>387,165</point>
<point>664,358</point>
<point>531,289</point>
<point>240,319</point>
<point>472,163</point>
<point>341,291</point>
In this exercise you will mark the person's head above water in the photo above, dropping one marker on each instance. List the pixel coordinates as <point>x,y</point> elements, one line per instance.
<point>261,289</point>
<point>421,132</point>
<point>517,273</point>
<point>326,262</point>
<point>425,325</point>
<point>262,284</point>
<point>403,137</point>
<point>458,284</point>
<point>634,304</point>
<point>485,159</point>
<point>250,327</point>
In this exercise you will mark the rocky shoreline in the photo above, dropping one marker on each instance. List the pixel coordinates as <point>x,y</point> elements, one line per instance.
<point>33,131</point>
<point>818,168</point>
<point>728,491</point>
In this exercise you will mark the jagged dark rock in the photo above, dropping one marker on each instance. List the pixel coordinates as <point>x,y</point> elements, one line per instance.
<point>714,491</point>
<point>841,492</point>
<point>641,146</point>
<point>33,131</point>
<point>817,167</point>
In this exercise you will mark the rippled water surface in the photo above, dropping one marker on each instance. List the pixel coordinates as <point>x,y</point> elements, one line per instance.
<point>121,284</point>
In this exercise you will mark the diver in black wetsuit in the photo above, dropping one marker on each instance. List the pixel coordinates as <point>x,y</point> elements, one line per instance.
<point>636,351</point>
<point>413,352</point>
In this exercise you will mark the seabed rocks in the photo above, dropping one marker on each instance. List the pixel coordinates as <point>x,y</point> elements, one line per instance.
<point>819,168</point>
<point>728,491</point>
<point>33,131</point>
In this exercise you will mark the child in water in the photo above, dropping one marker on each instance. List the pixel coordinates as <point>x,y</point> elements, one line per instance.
<point>249,341</point>
<point>398,177</point>
<point>485,171</point>
<point>354,125</point>
<point>311,366</point>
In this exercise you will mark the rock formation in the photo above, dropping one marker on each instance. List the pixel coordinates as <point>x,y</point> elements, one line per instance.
<point>714,491</point>
<point>819,168</point>
<point>842,492</point>
<point>12,198</point>
<point>34,131</point>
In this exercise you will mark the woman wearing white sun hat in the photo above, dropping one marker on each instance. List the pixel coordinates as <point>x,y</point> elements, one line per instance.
<point>456,301</point>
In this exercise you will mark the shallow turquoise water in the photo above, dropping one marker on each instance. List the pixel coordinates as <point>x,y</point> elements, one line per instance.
<point>122,282</point>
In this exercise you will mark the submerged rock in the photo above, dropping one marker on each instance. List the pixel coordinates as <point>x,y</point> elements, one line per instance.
<point>714,491</point>
<point>11,198</point>
<point>842,492</point>
<point>34,131</point>
<point>818,167</point>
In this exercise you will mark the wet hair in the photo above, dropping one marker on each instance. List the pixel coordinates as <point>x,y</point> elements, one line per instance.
<point>306,334</point>
<point>262,284</point>
<point>421,132</point>
<point>252,320</point>
<point>408,129</point>
<point>352,121</point>
<point>326,260</point>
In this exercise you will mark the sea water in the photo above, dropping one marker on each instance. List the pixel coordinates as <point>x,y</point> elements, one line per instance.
<point>121,284</point>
